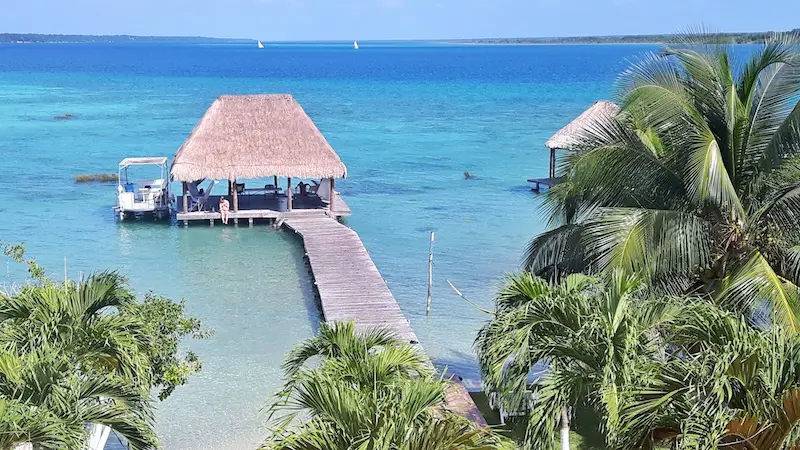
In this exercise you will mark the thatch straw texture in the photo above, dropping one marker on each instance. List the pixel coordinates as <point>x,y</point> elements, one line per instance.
<point>254,136</point>
<point>566,137</point>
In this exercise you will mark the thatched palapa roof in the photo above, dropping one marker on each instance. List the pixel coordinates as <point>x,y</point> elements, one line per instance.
<point>566,137</point>
<point>254,136</point>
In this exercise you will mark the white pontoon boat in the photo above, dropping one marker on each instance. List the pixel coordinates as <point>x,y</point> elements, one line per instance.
<point>151,197</point>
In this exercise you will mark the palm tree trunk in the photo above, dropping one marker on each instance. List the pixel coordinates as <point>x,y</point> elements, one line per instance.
<point>565,429</point>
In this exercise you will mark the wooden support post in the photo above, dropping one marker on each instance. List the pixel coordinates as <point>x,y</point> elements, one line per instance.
<point>333,196</point>
<point>275,180</point>
<point>430,278</point>
<point>236,222</point>
<point>552,163</point>
<point>235,197</point>
<point>211,222</point>
<point>289,194</point>
<point>185,198</point>
<point>250,221</point>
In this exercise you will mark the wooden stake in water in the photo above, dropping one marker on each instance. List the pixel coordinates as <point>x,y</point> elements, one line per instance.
<point>430,278</point>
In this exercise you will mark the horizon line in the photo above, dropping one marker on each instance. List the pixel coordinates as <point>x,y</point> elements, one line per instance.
<point>154,36</point>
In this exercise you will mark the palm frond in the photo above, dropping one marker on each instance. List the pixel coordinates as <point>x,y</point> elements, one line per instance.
<point>770,104</point>
<point>780,215</point>
<point>335,341</point>
<point>707,178</point>
<point>99,291</point>
<point>754,286</point>
<point>368,391</point>
<point>653,243</point>
<point>779,49</point>
<point>784,143</point>
<point>555,252</point>
<point>611,146</point>
<point>653,89</point>
<point>791,264</point>
<point>552,394</point>
<point>22,424</point>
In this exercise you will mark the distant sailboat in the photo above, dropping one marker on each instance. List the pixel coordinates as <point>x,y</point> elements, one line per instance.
<point>355,45</point>
<point>260,45</point>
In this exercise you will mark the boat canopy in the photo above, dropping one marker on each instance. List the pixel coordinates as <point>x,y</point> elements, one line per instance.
<point>158,160</point>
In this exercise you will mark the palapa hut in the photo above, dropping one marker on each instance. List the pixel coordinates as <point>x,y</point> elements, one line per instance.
<point>567,137</point>
<point>256,136</point>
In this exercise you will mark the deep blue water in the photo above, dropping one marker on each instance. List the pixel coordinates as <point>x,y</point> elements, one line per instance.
<point>406,119</point>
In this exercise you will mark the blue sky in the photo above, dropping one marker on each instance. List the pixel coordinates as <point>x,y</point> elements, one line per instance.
<point>391,19</point>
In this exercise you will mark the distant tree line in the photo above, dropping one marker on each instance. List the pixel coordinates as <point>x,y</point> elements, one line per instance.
<point>81,38</point>
<point>705,38</point>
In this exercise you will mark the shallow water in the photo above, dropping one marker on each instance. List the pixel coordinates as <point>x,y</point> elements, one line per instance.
<point>407,120</point>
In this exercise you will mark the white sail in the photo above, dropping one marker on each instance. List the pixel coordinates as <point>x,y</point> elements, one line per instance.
<point>260,45</point>
<point>355,45</point>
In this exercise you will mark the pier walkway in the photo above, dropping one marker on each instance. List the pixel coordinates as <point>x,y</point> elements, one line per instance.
<point>349,285</point>
<point>351,289</point>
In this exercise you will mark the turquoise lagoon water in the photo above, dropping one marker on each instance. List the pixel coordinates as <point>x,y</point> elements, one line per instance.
<point>407,120</point>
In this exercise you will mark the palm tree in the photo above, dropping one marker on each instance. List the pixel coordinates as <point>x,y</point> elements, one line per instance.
<point>82,319</point>
<point>370,390</point>
<point>694,185</point>
<point>404,414</point>
<point>112,351</point>
<point>725,385</point>
<point>341,340</point>
<point>582,341</point>
<point>101,324</point>
<point>45,402</point>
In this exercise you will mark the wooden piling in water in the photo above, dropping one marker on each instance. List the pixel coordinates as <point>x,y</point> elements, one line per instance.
<point>430,279</point>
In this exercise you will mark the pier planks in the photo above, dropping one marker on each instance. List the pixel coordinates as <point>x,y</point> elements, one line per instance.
<point>349,285</point>
<point>351,289</point>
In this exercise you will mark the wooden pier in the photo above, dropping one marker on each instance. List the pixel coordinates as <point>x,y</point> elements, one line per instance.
<point>244,137</point>
<point>349,285</point>
<point>259,208</point>
<point>351,288</point>
<point>546,182</point>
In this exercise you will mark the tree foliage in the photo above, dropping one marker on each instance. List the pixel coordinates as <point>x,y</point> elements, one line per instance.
<point>656,371</point>
<point>577,342</point>
<point>166,324</point>
<point>83,352</point>
<point>724,384</point>
<point>368,391</point>
<point>46,399</point>
<point>710,197</point>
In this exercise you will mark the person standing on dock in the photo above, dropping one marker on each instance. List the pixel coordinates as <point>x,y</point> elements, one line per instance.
<point>224,206</point>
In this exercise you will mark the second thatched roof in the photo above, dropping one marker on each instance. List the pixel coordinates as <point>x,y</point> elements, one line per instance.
<point>255,136</point>
<point>566,137</point>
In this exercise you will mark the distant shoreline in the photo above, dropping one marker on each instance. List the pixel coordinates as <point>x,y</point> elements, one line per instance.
<point>549,43</point>
<point>729,38</point>
<point>713,38</point>
<point>33,38</point>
